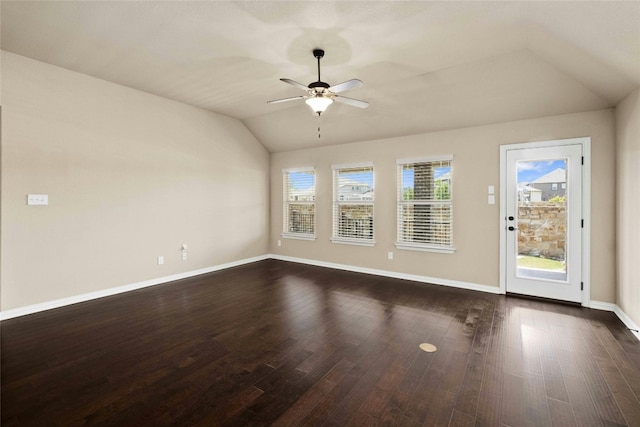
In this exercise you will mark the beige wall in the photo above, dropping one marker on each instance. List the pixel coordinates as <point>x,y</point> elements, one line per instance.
<point>130,176</point>
<point>628,180</point>
<point>476,223</point>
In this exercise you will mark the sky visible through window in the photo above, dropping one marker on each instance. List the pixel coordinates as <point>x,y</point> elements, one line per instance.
<point>530,171</point>
<point>301,180</point>
<point>527,172</point>
<point>364,178</point>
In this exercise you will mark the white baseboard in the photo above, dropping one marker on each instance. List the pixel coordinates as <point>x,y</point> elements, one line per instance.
<point>607,306</point>
<point>35,308</point>
<point>604,306</point>
<point>635,330</point>
<point>598,305</point>
<point>392,274</point>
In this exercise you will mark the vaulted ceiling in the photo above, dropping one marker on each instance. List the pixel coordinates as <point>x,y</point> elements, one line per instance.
<point>426,66</point>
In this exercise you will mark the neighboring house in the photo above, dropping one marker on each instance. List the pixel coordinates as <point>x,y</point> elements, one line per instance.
<point>305,195</point>
<point>355,192</point>
<point>445,177</point>
<point>552,184</point>
<point>527,193</point>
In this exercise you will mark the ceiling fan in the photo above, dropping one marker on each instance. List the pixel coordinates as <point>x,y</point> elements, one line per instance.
<point>320,95</point>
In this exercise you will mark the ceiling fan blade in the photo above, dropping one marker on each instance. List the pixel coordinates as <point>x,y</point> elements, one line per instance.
<point>351,101</point>
<point>296,84</point>
<point>293,98</point>
<point>349,84</point>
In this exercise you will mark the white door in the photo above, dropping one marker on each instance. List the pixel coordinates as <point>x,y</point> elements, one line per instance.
<point>543,221</point>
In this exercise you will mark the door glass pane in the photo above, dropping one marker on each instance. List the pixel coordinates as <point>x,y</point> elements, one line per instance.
<point>542,219</point>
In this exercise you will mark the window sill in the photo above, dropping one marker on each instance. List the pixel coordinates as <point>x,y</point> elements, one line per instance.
<point>356,242</point>
<point>423,248</point>
<point>298,236</point>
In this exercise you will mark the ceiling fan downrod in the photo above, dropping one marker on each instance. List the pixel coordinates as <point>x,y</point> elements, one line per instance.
<point>318,53</point>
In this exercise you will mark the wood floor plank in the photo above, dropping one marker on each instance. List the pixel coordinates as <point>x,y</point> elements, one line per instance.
<point>468,395</point>
<point>279,343</point>
<point>561,413</point>
<point>489,408</point>
<point>513,404</point>
<point>584,410</point>
<point>440,410</point>
<point>603,400</point>
<point>331,401</point>
<point>622,393</point>
<point>235,406</point>
<point>394,416</point>
<point>536,408</point>
<point>459,419</point>
<point>553,380</point>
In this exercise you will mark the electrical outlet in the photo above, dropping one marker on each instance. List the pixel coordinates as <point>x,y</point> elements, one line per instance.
<point>37,199</point>
<point>160,260</point>
<point>184,255</point>
<point>390,255</point>
<point>279,242</point>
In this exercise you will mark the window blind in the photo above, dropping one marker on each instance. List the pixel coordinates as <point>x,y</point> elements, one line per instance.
<point>299,187</point>
<point>353,197</point>
<point>425,211</point>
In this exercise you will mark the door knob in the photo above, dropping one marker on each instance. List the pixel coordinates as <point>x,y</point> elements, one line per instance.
<point>511,218</point>
<point>512,228</point>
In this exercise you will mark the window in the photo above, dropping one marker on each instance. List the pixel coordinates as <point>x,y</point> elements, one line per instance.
<point>554,186</point>
<point>299,187</point>
<point>425,211</point>
<point>353,204</point>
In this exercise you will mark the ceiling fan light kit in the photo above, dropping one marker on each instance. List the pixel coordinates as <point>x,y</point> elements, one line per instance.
<point>320,94</point>
<point>319,103</point>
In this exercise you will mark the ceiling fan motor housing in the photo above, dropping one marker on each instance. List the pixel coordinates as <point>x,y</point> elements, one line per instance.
<point>319,84</point>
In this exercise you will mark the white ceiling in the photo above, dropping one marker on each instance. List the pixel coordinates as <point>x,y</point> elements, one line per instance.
<point>426,65</point>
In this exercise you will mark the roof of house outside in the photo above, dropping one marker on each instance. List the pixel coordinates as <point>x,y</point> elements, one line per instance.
<point>558,175</point>
<point>355,191</point>
<point>444,177</point>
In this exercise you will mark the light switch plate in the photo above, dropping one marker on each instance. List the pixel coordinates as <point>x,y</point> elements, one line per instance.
<point>491,189</point>
<point>491,200</point>
<point>37,199</point>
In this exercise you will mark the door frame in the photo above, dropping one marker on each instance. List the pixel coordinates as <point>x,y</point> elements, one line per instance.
<point>586,208</point>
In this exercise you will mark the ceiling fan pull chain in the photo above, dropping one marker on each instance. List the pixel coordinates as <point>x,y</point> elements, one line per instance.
<point>319,125</point>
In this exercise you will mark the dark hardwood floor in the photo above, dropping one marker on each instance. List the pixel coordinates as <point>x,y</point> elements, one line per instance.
<point>287,344</point>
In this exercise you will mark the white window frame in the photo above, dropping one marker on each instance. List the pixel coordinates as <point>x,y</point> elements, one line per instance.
<point>286,233</point>
<point>337,203</point>
<point>426,247</point>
